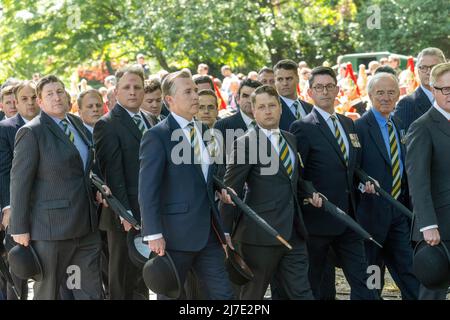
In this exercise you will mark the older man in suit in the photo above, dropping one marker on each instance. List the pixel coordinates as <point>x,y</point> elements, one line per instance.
<point>329,145</point>
<point>176,192</point>
<point>383,158</point>
<point>286,82</point>
<point>411,107</point>
<point>27,109</point>
<point>52,203</point>
<point>265,160</point>
<point>117,137</point>
<point>427,165</point>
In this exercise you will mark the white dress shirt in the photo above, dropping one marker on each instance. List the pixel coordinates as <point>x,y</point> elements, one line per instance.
<point>274,140</point>
<point>290,103</point>
<point>330,124</point>
<point>205,158</point>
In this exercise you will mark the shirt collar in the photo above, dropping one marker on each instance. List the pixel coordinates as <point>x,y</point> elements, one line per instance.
<point>58,120</point>
<point>379,117</point>
<point>324,114</point>
<point>246,118</point>
<point>288,101</point>
<point>442,111</point>
<point>270,132</point>
<point>181,121</point>
<point>132,114</point>
<point>428,93</point>
<point>91,129</point>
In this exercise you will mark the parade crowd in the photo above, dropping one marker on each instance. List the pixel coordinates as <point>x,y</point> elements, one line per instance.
<point>164,146</point>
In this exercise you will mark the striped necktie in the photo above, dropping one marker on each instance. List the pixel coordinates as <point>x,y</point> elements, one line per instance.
<point>194,142</point>
<point>67,130</point>
<point>284,154</point>
<point>140,123</point>
<point>340,140</point>
<point>395,162</point>
<point>296,105</point>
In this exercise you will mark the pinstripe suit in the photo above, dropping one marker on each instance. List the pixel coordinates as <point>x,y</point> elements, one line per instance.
<point>411,107</point>
<point>52,200</point>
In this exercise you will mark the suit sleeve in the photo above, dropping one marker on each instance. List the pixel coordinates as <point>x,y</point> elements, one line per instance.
<point>235,177</point>
<point>401,112</point>
<point>418,167</point>
<point>297,129</point>
<point>5,168</point>
<point>152,158</point>
<point>23,175</point>
<point>109,156</point>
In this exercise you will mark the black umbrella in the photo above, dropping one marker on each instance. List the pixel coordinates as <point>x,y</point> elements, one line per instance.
<point>113,203</point>
<point>328,206</point>
<point>4,270</point>
<point>251,213</point>
<point>364,177</point>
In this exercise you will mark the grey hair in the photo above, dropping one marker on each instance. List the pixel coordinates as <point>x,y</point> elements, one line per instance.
<point>379,76</point>
<point>431,52</point>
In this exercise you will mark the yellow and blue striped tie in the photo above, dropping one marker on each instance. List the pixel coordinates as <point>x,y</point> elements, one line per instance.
<point>284,154</point>
<point>194,142</point>
<point>340,140</point>
<point>67,130</point>
<point>395,162</point>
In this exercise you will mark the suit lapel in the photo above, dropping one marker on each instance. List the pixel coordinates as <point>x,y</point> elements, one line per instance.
<point>127,122</point>
<point>443,123</point>
<point>287,111</point>
<point>323,126</point>
<point>375,133</point>
<point>347,130</point>
<point>424,103</point>
<point>400,135</point>
<point>240,121</point>
<point>173,125</point>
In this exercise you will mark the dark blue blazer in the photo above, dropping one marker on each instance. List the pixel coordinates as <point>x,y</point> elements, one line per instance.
<point>411,108</point>
<point>175,199</point>
<point>8,130</point>
<point>287,118</point>
<point>325,167</point>
<point>373,212</point>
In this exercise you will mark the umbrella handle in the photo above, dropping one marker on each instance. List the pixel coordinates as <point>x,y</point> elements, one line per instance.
<point>283,241</point>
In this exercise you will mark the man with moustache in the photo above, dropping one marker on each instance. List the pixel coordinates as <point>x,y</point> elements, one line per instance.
<point>117,137</point>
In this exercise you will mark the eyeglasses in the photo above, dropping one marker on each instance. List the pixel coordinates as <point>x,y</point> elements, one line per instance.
<point>425,68</point>
<point>444,90</point>
<point>319,87</point>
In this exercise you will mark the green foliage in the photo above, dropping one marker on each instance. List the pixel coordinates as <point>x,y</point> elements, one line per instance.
<point>57,36</point>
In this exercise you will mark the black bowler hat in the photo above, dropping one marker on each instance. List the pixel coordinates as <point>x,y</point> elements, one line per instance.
<point>138,250</point>
<point>24,262</point>
<point>431,265</point>
<point>237,269</point>
<point>161,276</point>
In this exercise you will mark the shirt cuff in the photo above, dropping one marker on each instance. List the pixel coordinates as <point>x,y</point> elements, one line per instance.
<point>153,237</point>
<point>434,226</point>
<point>7,207</point>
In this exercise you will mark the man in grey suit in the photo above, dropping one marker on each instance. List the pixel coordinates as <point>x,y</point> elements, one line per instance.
<point>427,164</point>
<point>52,202</point>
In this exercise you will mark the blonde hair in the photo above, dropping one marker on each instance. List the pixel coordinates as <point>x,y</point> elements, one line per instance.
<point>438,71</point>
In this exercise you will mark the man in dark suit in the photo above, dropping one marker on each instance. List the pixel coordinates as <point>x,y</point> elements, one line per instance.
<point>117,137</point>
<point>383,158</point>
<point>176,192</point>
<point>273,170</point>
<point>52,202</point>
<point>427,164</point>
<point>286,82</point>
<point>27,107</point>
<point>329,145</point>
<point>411,107</point>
